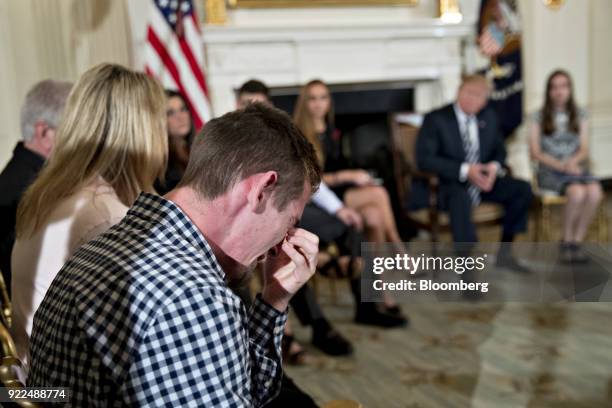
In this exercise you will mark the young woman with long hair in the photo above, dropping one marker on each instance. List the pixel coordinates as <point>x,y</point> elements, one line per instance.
<point>181,132</point>
<point>559,142</point>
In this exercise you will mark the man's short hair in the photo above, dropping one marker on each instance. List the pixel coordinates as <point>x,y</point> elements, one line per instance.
<point>248,141</point>
<point>44,101</point>
<point>476,79</point>
<point>254,86</point>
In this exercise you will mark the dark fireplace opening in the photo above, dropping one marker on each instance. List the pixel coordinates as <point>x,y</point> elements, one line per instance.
<point>362,116</point>
<point>356,104</point>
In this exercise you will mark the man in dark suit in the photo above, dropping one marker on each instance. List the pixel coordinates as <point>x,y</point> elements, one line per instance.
<point>462,144</point>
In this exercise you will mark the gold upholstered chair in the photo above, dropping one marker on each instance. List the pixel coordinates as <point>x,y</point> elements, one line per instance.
<point>5,302</point>
<point>10,366</point>
<point>547,200</point>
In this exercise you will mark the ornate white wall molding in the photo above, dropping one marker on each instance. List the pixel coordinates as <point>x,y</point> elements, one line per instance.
<point>422,49</point>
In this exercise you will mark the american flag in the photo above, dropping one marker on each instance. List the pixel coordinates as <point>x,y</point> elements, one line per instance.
<point>174,54</point>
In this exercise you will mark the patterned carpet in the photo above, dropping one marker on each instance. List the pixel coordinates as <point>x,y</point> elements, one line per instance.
<point>460,355</point>
<point>457,355</point>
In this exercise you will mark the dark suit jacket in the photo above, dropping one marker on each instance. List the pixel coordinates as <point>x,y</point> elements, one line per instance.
<point>439,148</point>
<point>16,177</point>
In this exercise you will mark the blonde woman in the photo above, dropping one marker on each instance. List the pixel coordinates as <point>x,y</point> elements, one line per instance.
<point>111,145</point>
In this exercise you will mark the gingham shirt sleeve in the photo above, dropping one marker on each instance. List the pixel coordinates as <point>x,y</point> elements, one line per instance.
<point>265,332</point>
<point>194,353</point>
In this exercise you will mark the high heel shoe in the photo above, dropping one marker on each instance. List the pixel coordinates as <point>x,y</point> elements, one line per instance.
<point>295,358</point>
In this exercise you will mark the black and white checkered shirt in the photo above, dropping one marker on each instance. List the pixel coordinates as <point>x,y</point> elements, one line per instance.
<point>141,316</point>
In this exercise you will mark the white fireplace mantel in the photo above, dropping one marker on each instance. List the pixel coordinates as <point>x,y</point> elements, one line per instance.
<point>421,50</point>
<point>326,31</point>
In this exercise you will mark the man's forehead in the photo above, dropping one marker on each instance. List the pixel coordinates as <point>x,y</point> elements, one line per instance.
<point>476,87</point>
<point>255,96</point>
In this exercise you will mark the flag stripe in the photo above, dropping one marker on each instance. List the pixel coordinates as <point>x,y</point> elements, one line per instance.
<point>192,54</point>
<point>194,35</point>
<point>185,74</point>
<point>172,69</point>
<point>177,61</point>
<point>193,64</point>
<point>156,68</point>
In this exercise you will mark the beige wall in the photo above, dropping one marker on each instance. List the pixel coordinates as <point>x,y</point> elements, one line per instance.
<point>555,39</point>
<point>601,57</point>
<point>53,39</point>
<point>8,88</point>
<point>576,38</point>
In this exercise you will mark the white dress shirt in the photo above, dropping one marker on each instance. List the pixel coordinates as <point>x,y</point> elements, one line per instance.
<point>472,131</point>
<point>327,199</point>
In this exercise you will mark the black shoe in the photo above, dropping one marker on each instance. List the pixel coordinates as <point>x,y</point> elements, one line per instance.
<point>472,295</point>
<point>578,253</point>
<point>296,358</point>
<point>393,310</point>
<point>331,343</point>
<point>566,253</point>
<point>367,313</point>
<point>513,265</point>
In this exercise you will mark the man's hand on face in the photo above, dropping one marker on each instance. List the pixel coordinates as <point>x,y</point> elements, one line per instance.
<point>288,267</point>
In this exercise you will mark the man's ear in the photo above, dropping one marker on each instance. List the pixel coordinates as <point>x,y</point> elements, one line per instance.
<point>40,127</point>
<point>261,190</point>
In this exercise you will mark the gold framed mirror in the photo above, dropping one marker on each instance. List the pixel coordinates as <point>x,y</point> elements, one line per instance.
<point>317,3</point>
<point>554,4</point>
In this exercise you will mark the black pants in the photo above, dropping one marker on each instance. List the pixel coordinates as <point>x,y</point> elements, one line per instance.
<point>514,195</point>
<point>291,396</point>
<point>328,228</point>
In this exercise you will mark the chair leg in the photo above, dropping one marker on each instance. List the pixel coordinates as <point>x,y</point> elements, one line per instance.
<point>546,235</point>
<point>602,224</point>
<point>6,308</point>
<point>315,284</point>
<point>333,290</point>
<point>434,224</point>
<point>537,224</point>
<point>435,230</point>
<point>605,224</point>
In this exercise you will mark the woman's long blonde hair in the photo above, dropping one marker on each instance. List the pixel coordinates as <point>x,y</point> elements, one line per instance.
<point>303,119</point>
<point>114,127</point>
